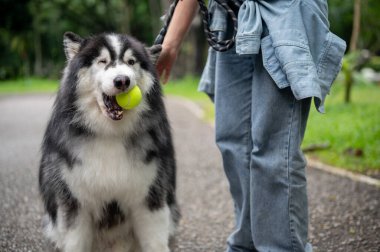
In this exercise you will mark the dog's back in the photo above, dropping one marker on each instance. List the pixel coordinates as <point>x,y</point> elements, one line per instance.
<point>107,175</point>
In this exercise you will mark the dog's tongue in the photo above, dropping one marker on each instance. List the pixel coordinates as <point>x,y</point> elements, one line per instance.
<point>114,111</point>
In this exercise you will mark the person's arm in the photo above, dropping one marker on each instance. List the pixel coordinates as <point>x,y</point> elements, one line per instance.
<point>179,25</point>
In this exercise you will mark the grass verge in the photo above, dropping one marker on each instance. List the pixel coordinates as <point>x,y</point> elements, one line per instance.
<point>351,130</point>
<point>28,85</point>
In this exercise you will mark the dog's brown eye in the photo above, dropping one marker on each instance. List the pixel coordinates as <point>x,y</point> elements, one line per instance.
<point>102,61</point>
<point>131,62</point>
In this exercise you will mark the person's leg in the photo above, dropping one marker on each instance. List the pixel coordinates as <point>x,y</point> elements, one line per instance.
<point>279,212</point>
<point>233,137</point>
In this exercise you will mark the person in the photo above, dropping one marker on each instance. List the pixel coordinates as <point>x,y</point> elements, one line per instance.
<point>284,56</point>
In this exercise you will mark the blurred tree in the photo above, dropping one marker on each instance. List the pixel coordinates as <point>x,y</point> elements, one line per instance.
<point>31,30</point>
<point>370,29</point>
<point>357,23</point>
<point>15,33</point>
<point>355,26</point>
<point>351,59</point>
<point>341,16</point>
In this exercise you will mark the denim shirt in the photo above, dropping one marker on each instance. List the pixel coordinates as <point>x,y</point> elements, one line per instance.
<point>298,50</point>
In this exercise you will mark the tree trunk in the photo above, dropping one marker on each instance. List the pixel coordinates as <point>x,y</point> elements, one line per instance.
<point>355,26</point>
<point>353,48</point>
<point>348,83</point>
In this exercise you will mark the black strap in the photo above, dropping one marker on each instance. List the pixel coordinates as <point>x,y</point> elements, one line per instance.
<point>212,39</point>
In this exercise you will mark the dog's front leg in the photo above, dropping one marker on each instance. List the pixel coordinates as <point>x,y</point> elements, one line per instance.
<point>79,235</point>
<point>152,228</point>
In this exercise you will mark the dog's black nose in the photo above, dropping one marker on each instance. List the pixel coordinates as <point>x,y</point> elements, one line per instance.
<point>121,82</point>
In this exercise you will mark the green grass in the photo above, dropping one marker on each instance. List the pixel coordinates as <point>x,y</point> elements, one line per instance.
<point>30,85</point>
<point>356,125</point>
<point>345,126</point>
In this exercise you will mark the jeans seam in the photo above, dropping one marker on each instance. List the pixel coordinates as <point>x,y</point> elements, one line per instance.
<point>248,138</point>
<point>291,228</point>
<point>249,127</point>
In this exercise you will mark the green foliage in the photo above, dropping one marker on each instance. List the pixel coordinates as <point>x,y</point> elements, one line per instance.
<point>15,27</point>
<point>370,26</point>
<point>374,63</point>
<point>31,31</point>
<point>341,15</point>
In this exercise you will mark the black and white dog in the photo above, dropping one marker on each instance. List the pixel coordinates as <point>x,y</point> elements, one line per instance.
<point>107,175</point>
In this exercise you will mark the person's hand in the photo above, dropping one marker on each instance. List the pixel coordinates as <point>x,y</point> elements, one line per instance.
<point>165,62</point>
<point>180,23</point>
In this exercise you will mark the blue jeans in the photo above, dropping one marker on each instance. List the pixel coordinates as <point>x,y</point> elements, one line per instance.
<point>259,130</point>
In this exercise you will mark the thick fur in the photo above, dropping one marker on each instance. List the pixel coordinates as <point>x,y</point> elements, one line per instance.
<point>108,185</point>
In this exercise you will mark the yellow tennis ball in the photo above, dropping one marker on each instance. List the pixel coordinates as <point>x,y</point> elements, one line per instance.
<point>130,99</point>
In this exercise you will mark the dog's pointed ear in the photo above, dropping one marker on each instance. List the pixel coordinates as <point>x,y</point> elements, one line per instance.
<point>71,44</point>
<point>154,52</point>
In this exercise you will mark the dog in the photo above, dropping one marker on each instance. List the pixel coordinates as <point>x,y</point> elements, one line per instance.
<point>107,175</point>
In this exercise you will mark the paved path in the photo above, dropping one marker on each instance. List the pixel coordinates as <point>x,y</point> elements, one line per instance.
<point>344,215</point>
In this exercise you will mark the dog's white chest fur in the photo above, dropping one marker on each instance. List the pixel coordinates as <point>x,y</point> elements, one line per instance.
<point>106,171</point>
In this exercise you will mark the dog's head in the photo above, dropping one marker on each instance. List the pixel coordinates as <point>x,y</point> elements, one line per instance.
<point>106,65</point>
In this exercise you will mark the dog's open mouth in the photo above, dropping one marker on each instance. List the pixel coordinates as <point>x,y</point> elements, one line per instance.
<point>113,110</point>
